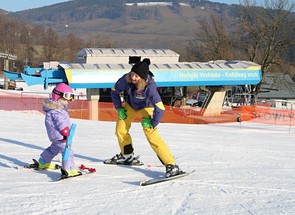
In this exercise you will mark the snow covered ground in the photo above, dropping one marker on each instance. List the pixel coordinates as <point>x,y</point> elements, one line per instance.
<point>239,170</point>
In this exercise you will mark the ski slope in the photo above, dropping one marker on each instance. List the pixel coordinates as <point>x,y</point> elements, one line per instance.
<point>247,169</point>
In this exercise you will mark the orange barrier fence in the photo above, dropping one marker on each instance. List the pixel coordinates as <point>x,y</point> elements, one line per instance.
<point>185,115</point>
<point>16,103</point>
<point>261,114</point>
<point>106,112</point>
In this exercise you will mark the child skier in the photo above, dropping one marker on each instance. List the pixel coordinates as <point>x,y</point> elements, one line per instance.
<point>57,122</point>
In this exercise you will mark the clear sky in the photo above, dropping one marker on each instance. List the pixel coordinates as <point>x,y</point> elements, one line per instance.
<point>18,5</point>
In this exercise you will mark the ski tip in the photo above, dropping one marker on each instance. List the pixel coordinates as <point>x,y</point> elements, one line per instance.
<point>89,169</point>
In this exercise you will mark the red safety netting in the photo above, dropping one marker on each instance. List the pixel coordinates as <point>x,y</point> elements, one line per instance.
<point>186,115</point>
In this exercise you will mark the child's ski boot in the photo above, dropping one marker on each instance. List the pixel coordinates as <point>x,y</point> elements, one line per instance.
<point>42,165</point>
<point>69,173</point>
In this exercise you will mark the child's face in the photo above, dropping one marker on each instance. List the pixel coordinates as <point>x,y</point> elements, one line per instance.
<point>62,100</point>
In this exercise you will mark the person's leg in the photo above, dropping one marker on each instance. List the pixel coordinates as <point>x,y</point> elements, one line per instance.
<point>122,131</point>
<point>126,155</point>
<point>156,141</point>
<point>68,167</point>
<point>69,164</point>
<point>49,153</point>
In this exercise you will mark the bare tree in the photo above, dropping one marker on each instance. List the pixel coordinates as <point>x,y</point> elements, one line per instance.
<point>8,35</point>
<point>26,47</point>
<point>212,42</point>
<point>69,46</point>
<point>267,32</point>
<point>264,35</point>
<point>50,44</point>
<point>98,41</point>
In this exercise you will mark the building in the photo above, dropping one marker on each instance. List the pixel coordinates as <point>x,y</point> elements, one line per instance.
<point>279,89</point>
<point>120,55</point>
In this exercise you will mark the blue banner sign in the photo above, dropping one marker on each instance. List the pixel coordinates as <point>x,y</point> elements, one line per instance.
<point>106,78</point>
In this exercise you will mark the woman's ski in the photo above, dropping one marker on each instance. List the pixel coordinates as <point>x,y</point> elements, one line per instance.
<point>164,179</point>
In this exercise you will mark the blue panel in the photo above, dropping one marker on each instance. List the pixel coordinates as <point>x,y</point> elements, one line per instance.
<point>68,147</point>
<point>32,80</point>
<point>207,77</point>
<point>166,78</point>
<point>50,73</point>
<point>12,75</point>
<point>106,78</point>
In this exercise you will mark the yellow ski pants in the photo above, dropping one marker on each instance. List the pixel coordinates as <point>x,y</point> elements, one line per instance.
<point>152,135</point>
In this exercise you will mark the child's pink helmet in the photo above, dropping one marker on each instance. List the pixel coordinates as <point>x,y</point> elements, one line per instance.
<point>59,90</point>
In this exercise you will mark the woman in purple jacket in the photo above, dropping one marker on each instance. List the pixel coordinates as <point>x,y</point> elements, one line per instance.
<point>57,122</point>
<point>142,97</point>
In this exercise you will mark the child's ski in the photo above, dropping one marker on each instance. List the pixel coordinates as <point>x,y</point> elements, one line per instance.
<point>65,176</point>
<point>83,171</point>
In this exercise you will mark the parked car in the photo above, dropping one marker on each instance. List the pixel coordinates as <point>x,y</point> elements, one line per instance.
<point>11,85</point>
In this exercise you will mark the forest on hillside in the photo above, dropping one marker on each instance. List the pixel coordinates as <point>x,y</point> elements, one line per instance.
<point>34,35</point>
<point>264,35</point>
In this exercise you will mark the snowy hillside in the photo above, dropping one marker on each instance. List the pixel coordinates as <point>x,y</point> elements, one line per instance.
<point>239,170</point>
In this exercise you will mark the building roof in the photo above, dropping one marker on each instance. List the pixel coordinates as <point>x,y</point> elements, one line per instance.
<point>277,86</point>
<point>97,52</point>
<point>202,66</point>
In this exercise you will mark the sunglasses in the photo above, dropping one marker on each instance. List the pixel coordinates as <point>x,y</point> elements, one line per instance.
<point>66,95</point>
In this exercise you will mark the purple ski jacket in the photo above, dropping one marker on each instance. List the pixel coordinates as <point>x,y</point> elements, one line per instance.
<point>139,99</point>
<point>56,119</point>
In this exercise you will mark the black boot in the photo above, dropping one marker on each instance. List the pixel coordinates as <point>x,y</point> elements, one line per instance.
<point>172,170</point>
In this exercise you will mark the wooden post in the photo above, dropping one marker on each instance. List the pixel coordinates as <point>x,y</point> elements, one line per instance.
<point>6,58</point>
<point>6,67</point>
<point>93,98</point>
